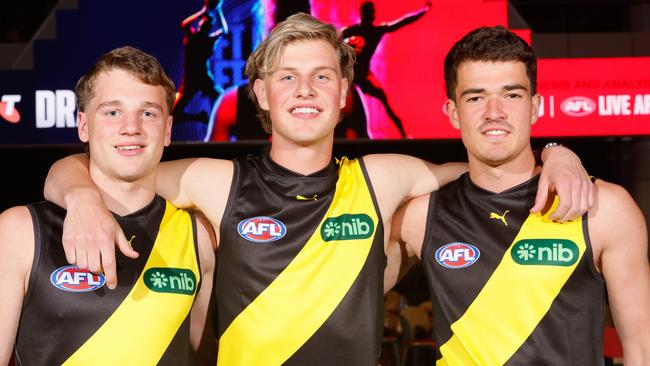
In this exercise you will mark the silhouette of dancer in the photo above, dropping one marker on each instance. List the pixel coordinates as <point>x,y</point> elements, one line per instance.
<point>198,43</point>
<point>365,38</point>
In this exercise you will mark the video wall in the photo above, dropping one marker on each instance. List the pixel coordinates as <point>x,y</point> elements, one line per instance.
<point>398,90</point>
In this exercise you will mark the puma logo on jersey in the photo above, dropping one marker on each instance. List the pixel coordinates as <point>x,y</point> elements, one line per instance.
<point>500,217</point>
<point>131,241</point>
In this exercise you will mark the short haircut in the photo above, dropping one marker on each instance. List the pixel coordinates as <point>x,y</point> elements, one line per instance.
<point>142,65</point>
<point>296,28</point>
<point>489,44</point>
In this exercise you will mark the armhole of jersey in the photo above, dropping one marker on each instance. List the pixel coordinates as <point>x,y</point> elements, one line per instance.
<point>37,254</point>
<point>197,253</point>
<point>428,224</point>
<point>232,197</point>
<point>372,192</point>
<point>589,254</point>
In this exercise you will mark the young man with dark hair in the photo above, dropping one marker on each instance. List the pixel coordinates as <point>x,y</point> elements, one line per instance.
<point>509,286</point>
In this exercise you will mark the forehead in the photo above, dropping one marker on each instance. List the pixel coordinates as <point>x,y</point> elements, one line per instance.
<point>121,85</point>
<point>307,54</point>
<point>486,74</point>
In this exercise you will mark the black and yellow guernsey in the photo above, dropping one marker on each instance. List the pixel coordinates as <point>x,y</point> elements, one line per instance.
<point>300,267</point>
<point>509,287</point>
<point>69,317</point>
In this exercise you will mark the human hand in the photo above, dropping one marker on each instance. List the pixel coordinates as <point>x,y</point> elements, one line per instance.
<point>564,174</point>
<point>90,233</point>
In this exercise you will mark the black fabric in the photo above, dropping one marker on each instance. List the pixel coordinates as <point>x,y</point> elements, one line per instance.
<point>55,323</point>
<point>352,334</point>
<point>569,334</point>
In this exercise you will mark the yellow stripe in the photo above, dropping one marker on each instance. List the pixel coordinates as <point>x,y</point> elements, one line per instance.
<point>288,312</point>
<point>141,328</point>
<point>512,302</point>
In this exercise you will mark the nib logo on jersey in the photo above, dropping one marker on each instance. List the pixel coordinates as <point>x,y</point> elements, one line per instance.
<point>261,229</point>
<point>545,252</point>
<point>457,255</point>
<point>73,279</point>
<point>170,280</point>
<point>347,227</point>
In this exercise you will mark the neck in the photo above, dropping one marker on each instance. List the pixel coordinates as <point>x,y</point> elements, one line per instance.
<point>499,178</point>
<point>123,197</point>
<point>303,160</point>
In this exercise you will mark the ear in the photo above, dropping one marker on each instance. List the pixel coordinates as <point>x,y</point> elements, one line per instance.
<point>536,101</point>
<point>168,130</point>
<point>260,92</point>
<point>452,113</point>
<point>344,92</point>
<point>82,127</point>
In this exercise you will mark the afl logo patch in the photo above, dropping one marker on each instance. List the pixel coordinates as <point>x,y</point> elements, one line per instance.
<point>73,279</point>
<point>457,255</point>
<point>261,229</point>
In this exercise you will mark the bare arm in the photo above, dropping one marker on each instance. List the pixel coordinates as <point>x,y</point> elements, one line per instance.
<point>406,238</point>
<point>202,335</point>
<point>619,237</point>
<point>17,248</point>
<point>408,18</point>
<point>90,232</point>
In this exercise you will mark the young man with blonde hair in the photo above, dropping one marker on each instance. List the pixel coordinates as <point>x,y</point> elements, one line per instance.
<point>301,253</point>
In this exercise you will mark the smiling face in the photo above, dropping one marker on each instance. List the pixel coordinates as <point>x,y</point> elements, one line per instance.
<point>304,94</point>
<point>127,125</point>
<point>494,110</point>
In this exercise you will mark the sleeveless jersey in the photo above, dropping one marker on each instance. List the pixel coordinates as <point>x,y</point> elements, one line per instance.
<point>300,267</point>
<point>144,321</point>
<point>509,287</point>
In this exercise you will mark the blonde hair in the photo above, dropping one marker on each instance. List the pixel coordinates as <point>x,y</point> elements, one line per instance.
<point>298,27</point>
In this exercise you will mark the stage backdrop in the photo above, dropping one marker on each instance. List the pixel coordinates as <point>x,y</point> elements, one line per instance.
<point>399,89</point>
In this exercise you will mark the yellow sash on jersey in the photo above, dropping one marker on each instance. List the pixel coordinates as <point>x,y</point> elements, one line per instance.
<point>302,297</point>
<point>141,328</point>
<point>513,301</point>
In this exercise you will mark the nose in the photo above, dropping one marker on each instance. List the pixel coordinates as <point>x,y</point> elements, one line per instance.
<point>131,124</point>
<point>494,109</point>
<point>304,88</point>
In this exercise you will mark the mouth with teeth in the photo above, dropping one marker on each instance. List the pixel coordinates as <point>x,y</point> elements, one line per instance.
<point>305,112</point>
<point>129,149</point>
<point>495,132</point>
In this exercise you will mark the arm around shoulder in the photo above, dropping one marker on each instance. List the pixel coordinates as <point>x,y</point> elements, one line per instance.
<point>619,237</point>
<point>201,183</point>
<point>17,248</point>
<point>67,179</point>
<point>405,177</point>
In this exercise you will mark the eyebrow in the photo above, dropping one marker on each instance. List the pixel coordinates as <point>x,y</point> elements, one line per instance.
<point>117,103</point>
<point>317,68</point>
<point>508,87</point>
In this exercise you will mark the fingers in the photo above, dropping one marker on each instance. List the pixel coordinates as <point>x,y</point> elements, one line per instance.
<point>574,200</point>
<point>69,250</point>
<point>125,245</point>
<point>541,197</point>
<point>110,267</point>
<point>82,258</point>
